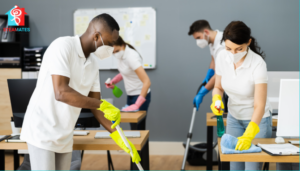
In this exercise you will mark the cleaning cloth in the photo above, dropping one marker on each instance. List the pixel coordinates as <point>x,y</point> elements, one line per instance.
<point>228,143</point>
<point>128,111</point>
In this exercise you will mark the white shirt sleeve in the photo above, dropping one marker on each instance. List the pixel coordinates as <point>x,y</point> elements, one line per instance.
<point>60,64</point>
<point>220,48</point>
<point>218,62</point>
<point>260,73</point>
<point>134,61</point>
<point>96,86</point>
<point>211,50</point>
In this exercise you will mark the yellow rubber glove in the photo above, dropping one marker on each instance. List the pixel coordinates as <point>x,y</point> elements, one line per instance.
<point>110,112</point>
<point>117,138</point>
<point>244,142</point>
<point>217,99</point>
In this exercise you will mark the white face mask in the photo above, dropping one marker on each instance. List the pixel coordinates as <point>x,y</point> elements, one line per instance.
<point>202,43</point>
<point>119,54</point>
<point>236,57</point>
<point>103,51</point>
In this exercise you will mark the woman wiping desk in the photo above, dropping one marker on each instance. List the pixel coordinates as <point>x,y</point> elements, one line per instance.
<point>136,80</point>
<point>242,73</point>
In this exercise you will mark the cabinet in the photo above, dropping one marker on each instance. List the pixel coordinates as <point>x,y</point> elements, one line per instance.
<point>14,49</point>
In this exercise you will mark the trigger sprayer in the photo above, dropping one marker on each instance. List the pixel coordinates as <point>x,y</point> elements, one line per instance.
<point>116,90</point>
<point>220,122</point>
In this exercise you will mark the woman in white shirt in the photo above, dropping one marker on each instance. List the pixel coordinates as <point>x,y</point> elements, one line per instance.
<point>242,73</point>
<point>136,80</point>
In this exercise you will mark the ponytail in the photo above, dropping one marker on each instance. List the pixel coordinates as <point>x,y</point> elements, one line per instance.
<point>255,48</point>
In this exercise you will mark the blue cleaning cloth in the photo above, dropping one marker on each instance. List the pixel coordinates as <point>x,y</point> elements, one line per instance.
<point>128,111</point>
<point>229,142</point>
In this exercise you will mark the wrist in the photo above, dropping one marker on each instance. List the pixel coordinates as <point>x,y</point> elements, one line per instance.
<point>216,97</point>
<point>251,130</point>
<point>140,100</point>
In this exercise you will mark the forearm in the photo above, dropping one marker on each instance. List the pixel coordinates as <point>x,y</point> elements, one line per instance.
<point>218,91</point>
<point>102,120</point>
<point>141,73</point>
<point>73,98</point>
<point>258,114</point>
<point>212,63</point>
<point>260,98</point>
<point>145,88</point>
<point>211,83</point>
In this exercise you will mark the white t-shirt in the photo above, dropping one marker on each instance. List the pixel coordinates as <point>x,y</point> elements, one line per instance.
<point>127,65</point>
<point>217,46</point>
<point>48,123</point>
<point>239,84</point>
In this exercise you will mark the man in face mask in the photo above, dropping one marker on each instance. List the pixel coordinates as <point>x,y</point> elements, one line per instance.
<point>69,81</point>
<point>204,35</point>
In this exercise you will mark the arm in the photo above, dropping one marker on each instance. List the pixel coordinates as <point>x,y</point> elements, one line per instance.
<point>210,81</point>
<point>218,87</point>
<point>114,81</point>
<point>210,84</point>
<point>260,98</point>
<point>212,63</point>
<point>99,115</point>
<point>141,73</point>
<point>64,93</point>
<point>217,97</point>
<point>146,84</point>
<point>210,76</point>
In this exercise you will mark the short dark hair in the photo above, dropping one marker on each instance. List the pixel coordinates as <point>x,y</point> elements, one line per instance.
<point>198,26</point>
<point>110,21</point>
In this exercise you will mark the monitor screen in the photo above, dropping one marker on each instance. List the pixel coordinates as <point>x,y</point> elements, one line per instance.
<point>20,91</point>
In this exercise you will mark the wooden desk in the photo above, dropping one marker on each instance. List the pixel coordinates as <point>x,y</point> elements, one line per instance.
<point>210,123</point>
<point>255,157</point>
<point>133,117</point>
<point>126,117</point>
<point>88,143</point>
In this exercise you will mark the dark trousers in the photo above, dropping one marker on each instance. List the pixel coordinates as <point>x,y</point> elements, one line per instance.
<point>131,100</point>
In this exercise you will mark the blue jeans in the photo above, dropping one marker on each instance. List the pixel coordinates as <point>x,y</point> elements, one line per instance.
<point>237,128</point>
<point>131,100</point>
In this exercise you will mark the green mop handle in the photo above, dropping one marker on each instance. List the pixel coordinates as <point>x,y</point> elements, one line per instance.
<point>127,144</point>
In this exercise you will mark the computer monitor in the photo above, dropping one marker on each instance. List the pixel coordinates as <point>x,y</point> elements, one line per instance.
<point>20,91</point>
<point>288,109</point>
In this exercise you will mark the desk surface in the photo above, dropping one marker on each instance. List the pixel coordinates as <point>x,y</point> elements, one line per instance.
<point>213,122</point>
<point>258,157</point>
<point>84,142</point>
<point>132,117</point>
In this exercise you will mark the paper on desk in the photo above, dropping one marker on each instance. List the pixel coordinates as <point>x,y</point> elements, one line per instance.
<point>280,148</point>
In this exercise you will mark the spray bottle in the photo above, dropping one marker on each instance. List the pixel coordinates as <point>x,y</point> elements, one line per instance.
<point>220,122</point>
<point>116,90</point>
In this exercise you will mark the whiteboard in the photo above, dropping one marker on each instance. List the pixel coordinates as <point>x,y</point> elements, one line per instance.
<point>137,27</point>
<point>288,109</point>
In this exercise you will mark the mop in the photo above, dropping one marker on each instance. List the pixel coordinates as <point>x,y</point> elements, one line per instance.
<point>190,132</point>
<point>127,144</point>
